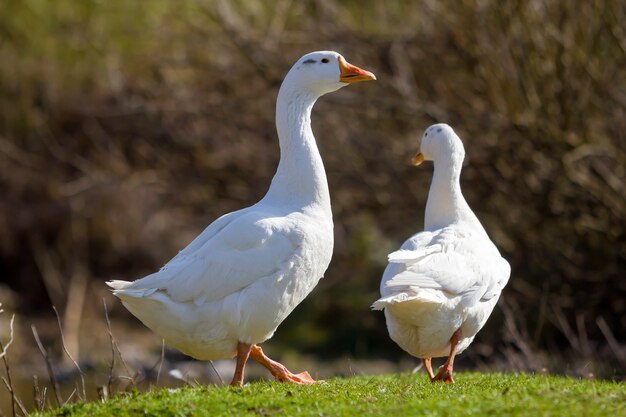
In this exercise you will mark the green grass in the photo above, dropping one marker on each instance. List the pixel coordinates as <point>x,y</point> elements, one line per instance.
<point>474,394</point>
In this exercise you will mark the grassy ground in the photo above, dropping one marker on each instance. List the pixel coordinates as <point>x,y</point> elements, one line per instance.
<point>474,394</point>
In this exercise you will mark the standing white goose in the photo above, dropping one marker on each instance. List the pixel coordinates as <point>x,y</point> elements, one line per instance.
<point>441,286</point>
<point>231,287</point>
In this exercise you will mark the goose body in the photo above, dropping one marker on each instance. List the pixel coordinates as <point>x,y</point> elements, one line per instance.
<point>236,282</point>
<point>231,287</point>
<point>441,286</point>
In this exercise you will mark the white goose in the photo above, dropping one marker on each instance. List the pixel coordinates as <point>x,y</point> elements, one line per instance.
<point>441,286</point>
<point>231,287</point>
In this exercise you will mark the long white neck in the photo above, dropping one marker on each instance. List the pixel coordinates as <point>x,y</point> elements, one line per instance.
<point>446,204</point>
<point>300,179</point>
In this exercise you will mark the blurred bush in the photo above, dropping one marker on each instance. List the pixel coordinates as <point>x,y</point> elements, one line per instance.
<point>127,127</point>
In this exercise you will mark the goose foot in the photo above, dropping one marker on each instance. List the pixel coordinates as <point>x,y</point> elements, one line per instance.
<point>303,378</point>
<point>279,371</point>
<point>444,373</point>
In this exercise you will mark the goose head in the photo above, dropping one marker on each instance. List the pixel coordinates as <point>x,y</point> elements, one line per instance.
<point>322,72</point>
<point>439,142</point>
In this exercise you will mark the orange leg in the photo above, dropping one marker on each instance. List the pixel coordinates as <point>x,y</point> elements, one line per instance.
<point>445,371</point>
<point>279,371</point>
<point>243,352</point>
<point>429,367</point>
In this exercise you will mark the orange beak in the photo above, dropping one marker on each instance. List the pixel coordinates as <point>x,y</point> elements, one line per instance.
<point>417,159</point>
<point>351,73</point>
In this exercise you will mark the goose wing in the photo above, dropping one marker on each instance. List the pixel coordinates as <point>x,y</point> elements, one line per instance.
<point>225,258</point>
<point>457,262</point>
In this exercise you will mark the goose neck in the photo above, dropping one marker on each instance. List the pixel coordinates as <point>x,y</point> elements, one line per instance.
<point>300,179</point>
<point>446,204</point>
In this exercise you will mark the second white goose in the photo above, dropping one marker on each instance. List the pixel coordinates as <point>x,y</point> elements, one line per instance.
<point>441,286</point>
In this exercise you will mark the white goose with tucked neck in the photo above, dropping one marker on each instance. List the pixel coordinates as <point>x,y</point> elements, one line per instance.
<point>441,286</point>
<point>231,287</point>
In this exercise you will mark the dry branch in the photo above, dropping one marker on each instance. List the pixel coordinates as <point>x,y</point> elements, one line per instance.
<point>610,338</point>
<point>14,399</point>
<point>8,381</point>
<point>80,371</point>
<point>115,347</point>
<point>51,375</point>
<point>217,373</point>
<point>161,361</point>
<point>5,348</point>
<point>39,395</point>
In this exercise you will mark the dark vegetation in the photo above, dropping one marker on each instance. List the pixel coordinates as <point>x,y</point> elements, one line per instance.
<point>127,127</point>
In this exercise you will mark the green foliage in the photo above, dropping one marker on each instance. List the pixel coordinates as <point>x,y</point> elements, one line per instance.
<point>392,395</point>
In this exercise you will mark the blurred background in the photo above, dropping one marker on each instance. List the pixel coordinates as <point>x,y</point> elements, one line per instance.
<point>127,127</point>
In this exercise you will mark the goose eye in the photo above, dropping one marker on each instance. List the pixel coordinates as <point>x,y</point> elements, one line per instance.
<point>325,60</point>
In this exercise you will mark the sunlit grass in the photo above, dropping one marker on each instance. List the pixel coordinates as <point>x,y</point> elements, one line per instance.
<point>474,394</point>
